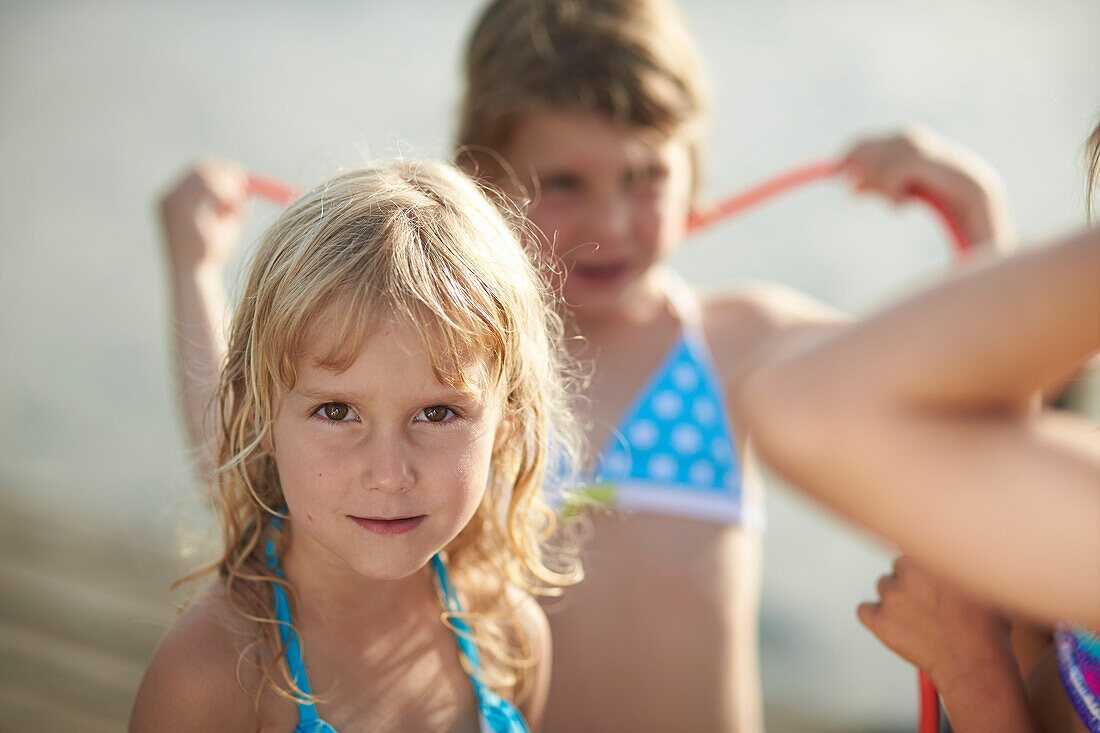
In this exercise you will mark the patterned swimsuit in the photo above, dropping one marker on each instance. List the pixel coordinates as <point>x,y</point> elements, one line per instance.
<point>673,451</point>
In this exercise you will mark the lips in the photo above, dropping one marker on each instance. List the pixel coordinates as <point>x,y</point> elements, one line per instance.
<point>389,526</point>
<point>600,272</point>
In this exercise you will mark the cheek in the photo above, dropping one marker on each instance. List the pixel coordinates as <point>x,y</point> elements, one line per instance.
<point>663,216</point>
<point>469,470</point>
<point>554,216</point>
<point>308,462</point>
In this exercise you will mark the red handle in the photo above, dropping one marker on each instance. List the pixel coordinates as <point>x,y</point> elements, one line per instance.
<point>271,188</point>
<point>929,704</point>
<point>761,191</point>
<point>816,171</point>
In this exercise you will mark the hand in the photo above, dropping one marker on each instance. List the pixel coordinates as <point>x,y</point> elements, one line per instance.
<point>936,627</point>
<point>203,214</point>
<point>964,183</point>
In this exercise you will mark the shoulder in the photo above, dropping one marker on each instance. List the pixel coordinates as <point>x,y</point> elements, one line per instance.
<point>530,618</point>
<point>760,311</point>
<point>192,681</point>
<point>743,325</point>
<point>532,623</point>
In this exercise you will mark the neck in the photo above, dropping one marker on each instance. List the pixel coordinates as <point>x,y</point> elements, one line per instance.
<point>329,591</point>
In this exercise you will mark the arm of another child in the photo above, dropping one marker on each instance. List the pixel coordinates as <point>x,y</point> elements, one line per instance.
<point>201,217</point>
<point>191,683</point>
<point>962,645</point>
<point>917,423</point>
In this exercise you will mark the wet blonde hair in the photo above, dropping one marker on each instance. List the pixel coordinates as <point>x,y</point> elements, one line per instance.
<point>633,62</point>
<point>416,239</point>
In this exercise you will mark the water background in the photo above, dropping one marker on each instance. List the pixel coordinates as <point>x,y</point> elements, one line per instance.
<point>102,104</point>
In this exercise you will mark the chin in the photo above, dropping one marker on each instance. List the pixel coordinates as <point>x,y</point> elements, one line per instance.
<point>391,571</point>
<point>396,566</point>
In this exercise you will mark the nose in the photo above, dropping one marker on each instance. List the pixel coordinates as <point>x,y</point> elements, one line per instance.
<point>387,465</point>
<point>611,217</point>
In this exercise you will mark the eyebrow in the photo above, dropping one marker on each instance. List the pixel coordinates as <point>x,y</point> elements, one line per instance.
<point>441,393</point>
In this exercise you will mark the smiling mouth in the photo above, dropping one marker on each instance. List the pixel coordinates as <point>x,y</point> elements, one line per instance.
<point>397,525</point>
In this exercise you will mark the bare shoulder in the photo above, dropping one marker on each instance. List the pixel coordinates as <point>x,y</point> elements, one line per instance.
<point>192,681</point>
<point>531,619</point>
<point>743,324</point>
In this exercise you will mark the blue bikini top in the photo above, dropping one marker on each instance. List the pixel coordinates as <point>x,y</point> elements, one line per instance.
<point>495,714</point>
<point>673,450</point>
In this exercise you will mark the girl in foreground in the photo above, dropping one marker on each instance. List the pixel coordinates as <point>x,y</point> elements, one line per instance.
<point>391,386</point>
<point>920,423</point>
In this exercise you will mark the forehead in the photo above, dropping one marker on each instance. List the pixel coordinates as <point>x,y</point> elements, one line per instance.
<point>393,342</point>
<point>580,139</point>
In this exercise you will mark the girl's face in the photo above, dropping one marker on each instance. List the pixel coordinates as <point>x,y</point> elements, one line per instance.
<point>381,465</point>
<point>611,201</point>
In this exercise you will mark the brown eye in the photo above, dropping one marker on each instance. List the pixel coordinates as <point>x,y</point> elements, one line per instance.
<point>436,413</point>
<point>335,411</point>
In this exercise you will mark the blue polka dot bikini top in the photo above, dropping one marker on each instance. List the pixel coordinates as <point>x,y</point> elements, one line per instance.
<point>495,714</point>
<point>673,451</point>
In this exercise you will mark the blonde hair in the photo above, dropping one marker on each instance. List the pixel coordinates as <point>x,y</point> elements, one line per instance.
<point>633,62</point>
<point>420,240</point>
<point>1092,175</point>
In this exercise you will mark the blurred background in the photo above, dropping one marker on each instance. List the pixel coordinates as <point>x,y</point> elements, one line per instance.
<point>103,104</point>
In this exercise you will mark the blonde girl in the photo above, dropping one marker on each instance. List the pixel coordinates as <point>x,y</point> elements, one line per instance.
<point>391,388</point>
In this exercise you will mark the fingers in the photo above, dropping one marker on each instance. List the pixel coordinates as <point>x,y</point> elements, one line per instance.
<point>885,584</point>
<point>868,615</point>
<point>224,181</point>
<point>900,593</point>
<point>221,184</point>
<point>887,165</point>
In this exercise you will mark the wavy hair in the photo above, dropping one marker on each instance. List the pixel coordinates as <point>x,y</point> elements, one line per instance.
<point>417,239</point>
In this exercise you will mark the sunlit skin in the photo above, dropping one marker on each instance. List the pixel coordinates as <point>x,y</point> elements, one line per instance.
<point>381,464</point>
<point>611,201</point>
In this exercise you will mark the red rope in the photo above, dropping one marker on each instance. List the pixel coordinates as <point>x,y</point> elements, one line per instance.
<point>271,188</point>
<point>761,191</point>
<point>929,704</point>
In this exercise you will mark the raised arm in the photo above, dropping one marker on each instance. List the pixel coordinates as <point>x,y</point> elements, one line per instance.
<point>202,217</point>
<point>918,424</point>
